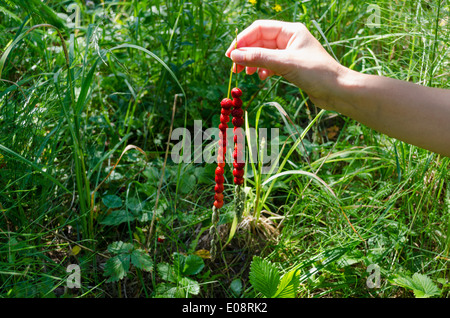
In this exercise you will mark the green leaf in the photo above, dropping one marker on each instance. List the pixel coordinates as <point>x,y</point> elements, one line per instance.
<point>117,217</point>
<point>112,201</point>
<point>178,263</point>
<point>142,260</point>
<point>236,287</point>
<point>120,247</point>
<point>117,267</point>
<point>193,265</point>
<point>264,277</point>
<point>165,290</point>
<point>190,286</point>
<point>288,285</point>
<point>166,272</point>
<point>421,285</point>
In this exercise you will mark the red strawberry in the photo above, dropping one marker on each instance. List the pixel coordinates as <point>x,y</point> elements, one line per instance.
<point>237,102</point>
<point>237,112</point>
<point>226,103</point>
<point>219,171</point>
<point>238,173</point>
<point>224,119</point>
<point>218,188</point>
<point>236,92</point>
<point>219,179</point>
<point>223,127</point>
<point>238,121</point>
<point>218,204</point>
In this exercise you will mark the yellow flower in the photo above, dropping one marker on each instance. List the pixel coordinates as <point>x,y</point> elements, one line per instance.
<point>253,1</point>
<point>277,8</point>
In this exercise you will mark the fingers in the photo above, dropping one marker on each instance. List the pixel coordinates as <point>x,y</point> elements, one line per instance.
<point>258,57</point>
<point>259,47</point>
<point>263,73</point>
<point>264,61</point>
<point>250,70</point>
<point>264,33</point>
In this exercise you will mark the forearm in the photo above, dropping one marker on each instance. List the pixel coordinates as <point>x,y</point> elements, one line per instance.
<point>413,113</point>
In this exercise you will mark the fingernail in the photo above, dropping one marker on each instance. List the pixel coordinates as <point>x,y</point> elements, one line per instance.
<point>237,56</point>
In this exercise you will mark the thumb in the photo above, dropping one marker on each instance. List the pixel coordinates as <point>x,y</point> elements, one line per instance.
<point>259,57</point>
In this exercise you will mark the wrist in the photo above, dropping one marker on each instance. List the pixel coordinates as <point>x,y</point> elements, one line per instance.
<point>344,92</point>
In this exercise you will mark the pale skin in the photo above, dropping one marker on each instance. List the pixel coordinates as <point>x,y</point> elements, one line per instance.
<point>415,114</point>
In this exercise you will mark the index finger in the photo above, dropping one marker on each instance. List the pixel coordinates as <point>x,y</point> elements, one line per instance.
<point>268,34</point>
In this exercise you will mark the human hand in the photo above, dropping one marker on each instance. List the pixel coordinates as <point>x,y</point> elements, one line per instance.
<point>291,51</point>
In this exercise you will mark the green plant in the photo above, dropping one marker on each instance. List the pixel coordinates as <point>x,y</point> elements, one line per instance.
<point>125,255</point>
<point>176,281</point>
<point>266,279</point>
<point>421,285</point>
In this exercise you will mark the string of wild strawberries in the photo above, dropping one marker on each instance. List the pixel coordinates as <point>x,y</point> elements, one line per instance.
<point>238,153</point>
<point>238,121</point>
<point>233,107</point>
<point>226,105</point>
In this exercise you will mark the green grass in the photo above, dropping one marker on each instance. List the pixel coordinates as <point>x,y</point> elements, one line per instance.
<point>342,198</point>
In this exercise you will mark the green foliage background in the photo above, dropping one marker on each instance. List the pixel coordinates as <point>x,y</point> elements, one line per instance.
<point>69,108</point>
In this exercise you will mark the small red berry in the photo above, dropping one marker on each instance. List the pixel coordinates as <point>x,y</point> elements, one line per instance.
<point>218,204</point>
<point>218,197</point>
<point>226,103</point>
<point>219,179</point>
<point>238,121</point>
<point>224,119</point>
<point>238,181</point>
<point>223,127</point>
<point>238,173</point>
<point>161,239</point>
<point>237,102</point>
<point>239,165</point>
<point>236,92</point>
<point>218,188</point>
<point>221,164</point>
<point>237,112</point>
<point>219,171</point>
<point>225,111</point>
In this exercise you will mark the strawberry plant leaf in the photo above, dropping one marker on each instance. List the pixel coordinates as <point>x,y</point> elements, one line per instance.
<point>142,260</point>
<point>120,247</point>
<point>117,267</point>
<point>288,285</point>
<point>264,277</point>
<point>421,285</point>
<point>166,272</point>
<point>425,287</point>
<point>190,286</point>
